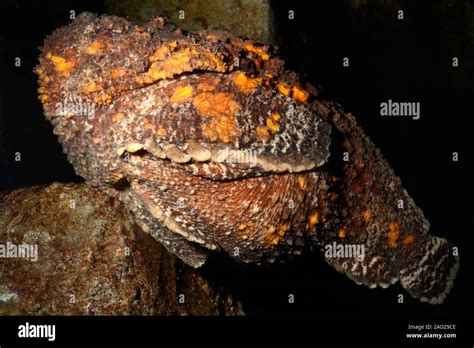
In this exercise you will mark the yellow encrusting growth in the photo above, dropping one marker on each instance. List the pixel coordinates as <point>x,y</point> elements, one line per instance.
<point>262,133</point>
<point>61,65</point>
<point>43,98</point>
<point>274,234</point>
<point>206,87</point>
<point>276,117</point>
<point>181,94</point>
<point>313,220</point>
<point>258,51</point>
<point>366,215</point>
<point>299,94</point>
<point>143,79</point>
<point>176,63</point>
<point>42,76</point>
<point>408,239</point>
<point>161,132</point>
<point>271,229</point>
<point>282,229</point>
<point>283,89</point>
<point>103,99</point>
<point>272,125</point>
<point>43,82</point>
<point>148,122</point>
<point>181,61</point>
<point>91,87</point>
<point>302,183</point>
<point>163,51</point>
<point>95,47</point>
<point>342,233</point>
<point>393,233</point>
<point>115,74</point>
<point>220,109</point>
<point>118,117</point>
<point>42,90</point>
<point>244,83</point>
<point>296,92</point>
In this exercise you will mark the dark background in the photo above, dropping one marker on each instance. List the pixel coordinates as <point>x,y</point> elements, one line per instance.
<point>408,60</point>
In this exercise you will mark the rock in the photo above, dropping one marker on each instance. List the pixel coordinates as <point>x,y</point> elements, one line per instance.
<point>236,16</point>
<point>92,259</point>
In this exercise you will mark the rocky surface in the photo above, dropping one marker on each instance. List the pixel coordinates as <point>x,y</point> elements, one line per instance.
<point>92,260</point>
<point>250,18</point>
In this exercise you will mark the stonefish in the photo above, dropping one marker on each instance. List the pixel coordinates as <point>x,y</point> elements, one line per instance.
<point>216,148</point>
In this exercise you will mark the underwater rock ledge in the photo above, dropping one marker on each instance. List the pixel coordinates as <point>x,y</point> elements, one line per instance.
<point>82,265</point>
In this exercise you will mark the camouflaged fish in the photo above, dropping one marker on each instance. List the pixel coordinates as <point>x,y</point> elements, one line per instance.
<point>216,148</point>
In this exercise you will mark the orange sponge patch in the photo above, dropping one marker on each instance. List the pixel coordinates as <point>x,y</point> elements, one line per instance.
<point>393,234</point>
<point>61,65</point>
<point>181,94</point>
<point>244,83</point>
<point>222,109</point>
<point>258,51</point>
<point>95,47</point>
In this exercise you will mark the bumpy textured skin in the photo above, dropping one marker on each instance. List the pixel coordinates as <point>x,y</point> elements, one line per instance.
<point>215,147</point>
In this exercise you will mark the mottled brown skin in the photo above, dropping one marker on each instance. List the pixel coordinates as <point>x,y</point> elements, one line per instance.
<point>214,146</point>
